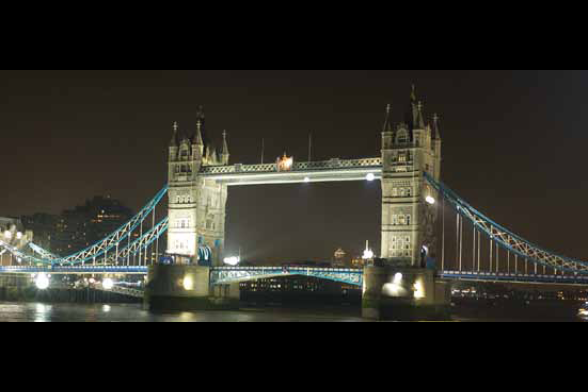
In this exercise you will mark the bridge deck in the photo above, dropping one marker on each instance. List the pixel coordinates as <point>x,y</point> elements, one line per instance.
<point>222,275</point>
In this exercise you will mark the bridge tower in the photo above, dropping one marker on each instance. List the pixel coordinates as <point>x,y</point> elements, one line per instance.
<point>196,205</point>
<point>404,286</point>
<point>409,149</point>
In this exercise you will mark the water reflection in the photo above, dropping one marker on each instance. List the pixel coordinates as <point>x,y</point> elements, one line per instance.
<point>39,312</point>
<point>42,313</point>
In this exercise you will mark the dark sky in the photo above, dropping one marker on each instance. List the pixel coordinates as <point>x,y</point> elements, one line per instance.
<point>514,145</point>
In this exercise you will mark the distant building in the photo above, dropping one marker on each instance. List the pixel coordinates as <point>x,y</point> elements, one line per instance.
<point>357,262</point>
<point>43,227</point>
<point>85,225</point>
<point>341,260</point>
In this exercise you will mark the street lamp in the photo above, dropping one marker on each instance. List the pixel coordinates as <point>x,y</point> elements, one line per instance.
<point>232,261</point>
<point>107,284</point>
<point>42,282</point>
<point>370,177</point>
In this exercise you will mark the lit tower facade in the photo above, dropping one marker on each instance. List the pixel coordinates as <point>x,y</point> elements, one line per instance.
<point>409,149</point>
<point>196,205</point>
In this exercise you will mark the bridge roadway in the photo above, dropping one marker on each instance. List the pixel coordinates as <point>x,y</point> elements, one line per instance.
<point>224,275</point>
<point>489,277</point>
<point>219,275</point>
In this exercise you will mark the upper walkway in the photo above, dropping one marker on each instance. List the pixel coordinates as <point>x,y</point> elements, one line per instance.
<point>299,172</point>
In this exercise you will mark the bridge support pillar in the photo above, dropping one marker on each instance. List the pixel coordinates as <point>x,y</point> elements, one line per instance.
<point>186,288</point>
<point>404,294</point>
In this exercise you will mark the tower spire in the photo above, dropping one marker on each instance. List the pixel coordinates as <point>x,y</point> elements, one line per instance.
<point>174,139</point>
<point>436,130</point>
<point>225,152</point>
<point>199,140</point>
<point>420,120</point>
<point>412,115</point>
<point>387,123</point>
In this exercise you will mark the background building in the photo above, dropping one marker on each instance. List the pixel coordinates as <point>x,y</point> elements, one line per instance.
<point>79,227</point>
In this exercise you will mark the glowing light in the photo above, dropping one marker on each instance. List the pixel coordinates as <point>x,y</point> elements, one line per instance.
<point>398,279</point>
<point>285,163</point>
<point>8,234</point>
<point>307,179</point>
<point>92,281</point>
<point>188,283</point>
<point>19,235</point>
<point>107,284</point>
<point>368,254</point>
<point>232,261</point>
<point>419,290</point>
<point>42,282</point>
<point>106,308</point>
<point>370,177</point>
<point>430,200</point>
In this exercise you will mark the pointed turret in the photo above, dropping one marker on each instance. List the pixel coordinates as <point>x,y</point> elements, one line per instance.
<point>420,119</point>
<point>412,115</point>
<point>436,132</point>
<point>174,139</point>
<point>198,137</point>
<point>225,155</point>
<point>388,123</point>
<point>214,156</point>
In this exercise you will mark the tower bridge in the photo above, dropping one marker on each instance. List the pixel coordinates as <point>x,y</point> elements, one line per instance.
<point>416,261</point>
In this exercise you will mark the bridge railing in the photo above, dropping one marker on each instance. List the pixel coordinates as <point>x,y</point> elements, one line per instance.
<point>331,164</point>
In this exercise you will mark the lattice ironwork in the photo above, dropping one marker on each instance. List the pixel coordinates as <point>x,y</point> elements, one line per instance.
<point>507,239</point>
<point>332,164</point>
<point>225,275</point>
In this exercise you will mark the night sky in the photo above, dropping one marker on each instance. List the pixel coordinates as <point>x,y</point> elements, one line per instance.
<point>514,144</point>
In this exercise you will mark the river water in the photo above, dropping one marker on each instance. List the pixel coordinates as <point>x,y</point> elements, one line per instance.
<point>40,312</point>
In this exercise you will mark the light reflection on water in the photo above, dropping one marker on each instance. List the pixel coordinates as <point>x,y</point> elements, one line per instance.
<point>38,312</point>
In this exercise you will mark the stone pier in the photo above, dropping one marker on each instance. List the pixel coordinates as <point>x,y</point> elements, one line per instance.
<point>187,288</point>
<point>404,294</point>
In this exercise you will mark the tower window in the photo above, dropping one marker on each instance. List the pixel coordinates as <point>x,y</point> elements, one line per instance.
<point>402,136</point>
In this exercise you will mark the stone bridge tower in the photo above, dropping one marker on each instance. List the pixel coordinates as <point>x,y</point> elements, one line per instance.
<point>409,149</point>
<point>196,205</point>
